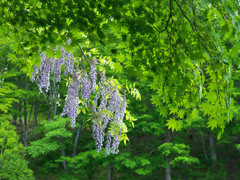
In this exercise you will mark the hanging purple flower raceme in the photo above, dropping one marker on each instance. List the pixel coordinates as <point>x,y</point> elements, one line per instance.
<point>108,144</point>
<point>95,102</point>
<point>103,104</point>
<point>72,100</point>
<point>44,72</point>
<point>114,101</point>
<point>54,65</point>
<point>57,68</point>
<point>103,78</point>
<point>68,63</point>
<point>63,52</point>
<point>115,143</point>
<point>86,85</point>
<point>34,72</point>
<point>100,123</point>
<point>116,139</point>
<point>97,135</point>
<point>103,107</point>
<point>117,121</point>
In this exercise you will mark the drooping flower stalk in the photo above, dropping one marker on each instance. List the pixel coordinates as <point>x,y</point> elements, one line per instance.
<point>57,68</point>
<point>34,73</point>
<point>68,63</point>
<point>114,101</point>
<point>72,100</point>
<point>44,72</point>
<point>86,86</point>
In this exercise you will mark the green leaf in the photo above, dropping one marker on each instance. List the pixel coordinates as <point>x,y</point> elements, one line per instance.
<point>194,114</point>
<point>164,112</point>
<point>181,113</point>
<point>212,123</point>
<point>172,124</point>
<point>117,67</point>
<point>120,57</point>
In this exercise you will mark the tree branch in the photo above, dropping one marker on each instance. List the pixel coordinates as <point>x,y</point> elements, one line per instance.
<point>169,17</point>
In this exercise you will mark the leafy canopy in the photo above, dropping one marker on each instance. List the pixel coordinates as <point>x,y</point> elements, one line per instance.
<point>184,49</point>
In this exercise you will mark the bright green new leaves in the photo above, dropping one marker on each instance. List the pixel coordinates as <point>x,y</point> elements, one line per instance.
<point>8,137</point>
<point>53,130</point>
<point>14,167</point>
<point>174,124</point>
<point>42,147</point>
<point>6,100</point>
<point>133,91</point>
<point>184,56</point>
<point>179,153</point>
<point>141,164</point>
<point>184,51</point>
<point>212,123</point>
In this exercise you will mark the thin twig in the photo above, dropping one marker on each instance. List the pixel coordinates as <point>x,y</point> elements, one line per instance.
<point>84,55</point>
<point>169,17</point>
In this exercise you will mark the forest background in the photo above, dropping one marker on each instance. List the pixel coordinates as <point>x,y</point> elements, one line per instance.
<point>176,61</point>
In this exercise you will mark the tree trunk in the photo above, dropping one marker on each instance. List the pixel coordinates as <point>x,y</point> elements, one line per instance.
<point>25,122</point>
<point>110,172</point>
<point>64,161</point>
<point>20,119</point>
<point>53,98</point>
<point>48,109</point>
<point>204,148</point>
<point>35,113</point>
<point>213,151</point>
<point>76,141</point>
<point>27,127</point>
<point>15,107</point>
<point>167,159</point>
<point>63,154</point>
<point>168,171</point>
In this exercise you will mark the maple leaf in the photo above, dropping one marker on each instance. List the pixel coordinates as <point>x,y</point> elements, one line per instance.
<point>181,113</point>
<point>173,109</point>
<point>164,112</point>
<point>212,123</point>
<point>194,114</point>
<point>120,57</point>
<point>172,124</point>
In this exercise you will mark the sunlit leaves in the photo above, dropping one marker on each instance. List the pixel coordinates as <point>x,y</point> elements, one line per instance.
<point>179,153</point>
<point>120,57</point>
<point>172,124</point>
<point>181,113</point>
<point>212,123</point>
<point>53,130</point>
<point>194,114</point>
<point>164,112</point>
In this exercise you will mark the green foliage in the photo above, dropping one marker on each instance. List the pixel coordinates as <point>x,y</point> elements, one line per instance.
<point>42,146</point>
<point>50,142</point>
<point>83,159</point>
<point>8,137</point>
<point>179,153</point>
<point>5,101</point>
<point>14,167</point>
<point>12,164</point>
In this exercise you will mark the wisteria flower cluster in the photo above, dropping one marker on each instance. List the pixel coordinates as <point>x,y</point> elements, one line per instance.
<point>54,65</point>
<point>72,100</point>
<point>110,115</point>
<point>108,105</point>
